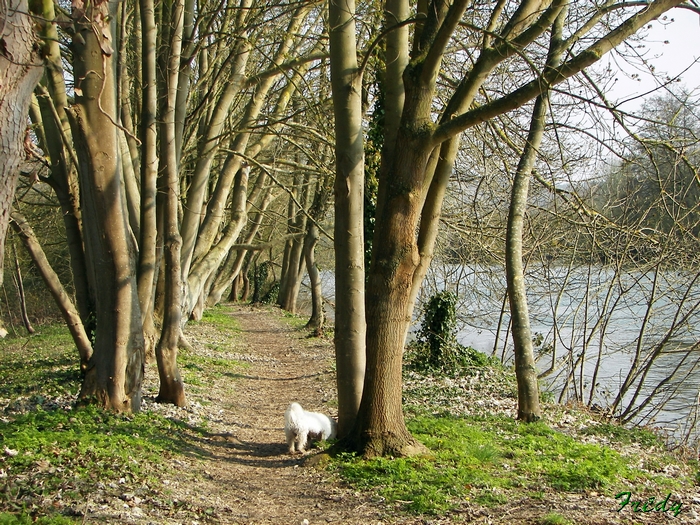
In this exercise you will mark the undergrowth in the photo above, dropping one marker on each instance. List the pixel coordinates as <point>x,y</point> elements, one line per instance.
<point>436,349</point>
<point>478,455</point>
<point>61,455</point>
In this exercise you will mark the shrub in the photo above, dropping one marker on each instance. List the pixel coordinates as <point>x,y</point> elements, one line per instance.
<point>436,348</point>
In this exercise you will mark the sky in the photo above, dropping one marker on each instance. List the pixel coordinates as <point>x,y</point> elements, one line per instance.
<point>672,45</point>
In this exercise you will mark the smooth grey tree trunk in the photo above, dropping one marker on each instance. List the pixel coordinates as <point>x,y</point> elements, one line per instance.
<point>148,239</point>
<point>172,389</point>
<point>350,327</point>
<point>525,369</point>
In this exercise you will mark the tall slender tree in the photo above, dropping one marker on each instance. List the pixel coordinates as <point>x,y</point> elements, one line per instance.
<point>115,371</point>
<point>525,370</point>
<point>350,328</point>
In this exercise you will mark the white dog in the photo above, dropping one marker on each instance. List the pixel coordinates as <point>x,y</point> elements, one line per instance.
<point>301,426</point>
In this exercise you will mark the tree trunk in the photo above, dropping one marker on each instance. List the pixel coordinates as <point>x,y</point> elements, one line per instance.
<point>317,318</point>
<point>246,279</point>
<point>295,272</point>
<point>63,300</point>
<point>63,177</point>
<point>230,275</point>
<point>381,429</point>
<point>210,143</point>
<point>525,370</point>
<point>292,257</point>
<point>115,372</point>
<point>235,293</point>
<point>148,239</point>
<point>350,328</point>
<point>19,284</point>
<point>203,269</point>
<point>21,67</point>
<point>316,214</point>
<point>172,389</point>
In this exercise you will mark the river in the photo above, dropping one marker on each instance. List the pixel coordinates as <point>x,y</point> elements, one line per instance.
<point>603,318</point>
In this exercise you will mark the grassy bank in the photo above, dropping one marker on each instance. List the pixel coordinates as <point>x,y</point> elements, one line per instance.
<point>56,459</point>
<point>481,457</point>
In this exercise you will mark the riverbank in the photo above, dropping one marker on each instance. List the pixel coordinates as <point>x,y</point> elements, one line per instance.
<point>222,459</point>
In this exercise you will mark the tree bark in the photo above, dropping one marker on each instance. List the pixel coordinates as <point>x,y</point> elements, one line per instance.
<point>316,213</point>
<point>21,67</point>
<point>295,272</point>
<point>63,177</point>
<point>350,327</point>
<point>172,389</point>
<point>148,239</point>
<point>115,371</point>
<point>317,318</point>
<point>381,429</point>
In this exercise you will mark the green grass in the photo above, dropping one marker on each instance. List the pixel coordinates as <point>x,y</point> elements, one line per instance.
<point>44,364</point>
<point>25,519</point>
<point>52,453</point>
<point>554,519</point>
<point>484,459</point>
<point>70,451</point>
<point>619,434</point>
<point>221,317</point>
<point>199,370</point>
<point>296,321</point>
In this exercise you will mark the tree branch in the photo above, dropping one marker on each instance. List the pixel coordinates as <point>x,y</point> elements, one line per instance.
<point>550,77</point>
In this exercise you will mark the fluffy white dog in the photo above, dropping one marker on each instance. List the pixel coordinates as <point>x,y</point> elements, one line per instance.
<point>301,426</point>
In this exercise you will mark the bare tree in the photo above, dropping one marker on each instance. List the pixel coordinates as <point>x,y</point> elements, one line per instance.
<point>172,389</point>
<point>115,370</point>
<point>525,369</point>
<point>418,164</point>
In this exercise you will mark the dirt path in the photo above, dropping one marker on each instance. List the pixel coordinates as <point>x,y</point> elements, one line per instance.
<point>240,473</point>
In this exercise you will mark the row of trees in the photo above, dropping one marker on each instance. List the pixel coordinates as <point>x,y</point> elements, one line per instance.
<point>445,77</point>
<point>171,130</point>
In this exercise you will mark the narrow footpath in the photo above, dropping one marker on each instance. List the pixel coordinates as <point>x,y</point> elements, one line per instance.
<point>240,472</point>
